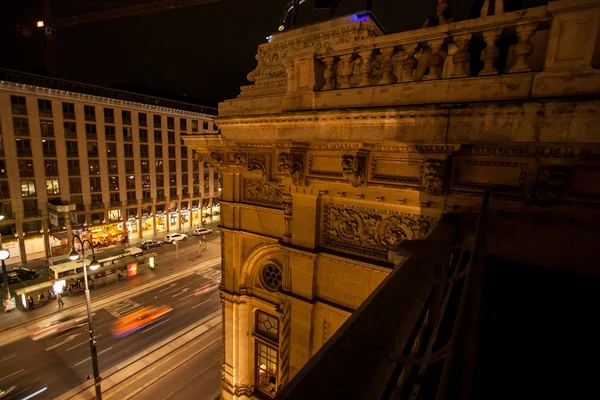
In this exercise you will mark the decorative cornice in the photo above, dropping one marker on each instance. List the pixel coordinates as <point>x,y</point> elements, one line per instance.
<point>66,95</point>
<point>354,263</point>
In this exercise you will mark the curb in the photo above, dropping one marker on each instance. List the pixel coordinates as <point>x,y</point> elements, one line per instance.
<point>17,332</point>
<point>147,360</point>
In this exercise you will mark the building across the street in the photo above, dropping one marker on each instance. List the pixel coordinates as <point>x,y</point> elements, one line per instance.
<point>102,163</point>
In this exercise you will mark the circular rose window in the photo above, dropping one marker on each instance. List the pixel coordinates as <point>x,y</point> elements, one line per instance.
<point>271,277</point>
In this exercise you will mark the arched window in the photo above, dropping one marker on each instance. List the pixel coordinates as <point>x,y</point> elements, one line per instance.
<point>271,277</point>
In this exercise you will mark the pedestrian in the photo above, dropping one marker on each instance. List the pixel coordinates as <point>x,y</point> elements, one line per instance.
<point>30,302</point>
<point>50,296</point>
<point>41,299</point>
<point>60,300</point>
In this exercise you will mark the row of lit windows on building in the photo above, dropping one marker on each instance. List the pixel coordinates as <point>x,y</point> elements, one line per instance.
<point>24,149</point>
<point>21,128</point>
<point>19,107</point>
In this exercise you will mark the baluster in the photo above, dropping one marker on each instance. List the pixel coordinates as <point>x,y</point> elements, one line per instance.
<point>387,67</point>
<point>397,60</point>
<point>346,73</point>
<point>329,73</point>
<point>410,63</point>
<point>435,59</point>
<point>461,57</point>
<point>366,67</point>
<point>491,52</point>
<point>524,48</point>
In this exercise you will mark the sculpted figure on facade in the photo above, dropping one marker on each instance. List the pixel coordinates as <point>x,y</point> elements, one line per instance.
<point>297,174</point>
<point>216,159</point>
<point>283,162</point>
<point>433,177</point>
<point>240,159</point>
<point>353,171</point>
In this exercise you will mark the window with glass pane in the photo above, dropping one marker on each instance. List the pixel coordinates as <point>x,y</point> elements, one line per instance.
<point>97,217</point>
<point>18,104</point>
<point>159,166</point>
<point>3,173</point>
<point>77,199</point>
<point>184,179</point>
<point>49,148</point>
<point>171,137</point>
<point>158,136</point>
<point>129,167</point>
<point>172,166</point>
<point>4,191</point>
<point>68,110</point>
<point>184,165</point>
<point>128,150</point>
<point>172,179</point>
<point>128,134</point>
<point>95,184</point>
<point>97,200</point>
<point>143,135</point>
<point>75,185</point>
<point>115,197</point>
<point>47,128</point>
<point>266,368</point>
<point>70,129</point>
<point>142,119</point>
<point>52,186</point>
<point>110,133</point>
<point>92,149</point>
<point>113,183</point>
<point>267,325</point>
<point>21,126</point>
<point>90,131</point>
<point>26,168</point>
<point>28,188</point>
<point>173,193</point>
<point>72,148</point>
<point>111,150</point>
<point>130,182</point>
<point>90,113</point>
<point>1,144</point>
<point>183,124</point>
<point>73,167</point>
<point>94,166</point>
<point>145,166</point>
<point>126,116</point>
<point>146,181</point>
<point>170,123</point>
<point>160,180</point>
<point>131,196</point>
<point>45,108</point>
<point>51,167</point>
<point>196,178</point>
<point>157,121</point>
<point>171,151</point>
<point>109,115</point>
<point>146,194</point>
<point>194,125</point>
<point>158,151</point>
<point>113,166</point>
<point>144,153</point>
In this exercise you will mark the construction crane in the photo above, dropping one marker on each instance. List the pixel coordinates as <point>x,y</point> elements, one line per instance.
<point>50,24</point>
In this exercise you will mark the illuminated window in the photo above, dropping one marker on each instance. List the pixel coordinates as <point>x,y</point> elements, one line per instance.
<point>28,188</point>
<point>267,326</point>
<point>266,369</point>
<point>52,186</point>
<point>194,125</point>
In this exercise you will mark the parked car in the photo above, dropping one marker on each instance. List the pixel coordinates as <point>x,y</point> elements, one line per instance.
<point>13,277</point>
<point>26,274</point>
<point>202,231</point>
<point>175,237</point>
<point>148,244</point>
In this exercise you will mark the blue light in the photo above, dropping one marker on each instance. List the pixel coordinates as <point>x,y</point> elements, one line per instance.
<point>355,17</point>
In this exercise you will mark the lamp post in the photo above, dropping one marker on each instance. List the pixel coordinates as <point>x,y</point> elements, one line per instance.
<point>4,255</point>
<point>74,255</point>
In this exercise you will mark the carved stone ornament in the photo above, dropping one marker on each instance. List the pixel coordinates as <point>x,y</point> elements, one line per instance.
<point>297,173</point>
<point>550,186</point>
<point>433,177</point>
<point>287,205</point>
<point>216,159</point>
<point>370,231</point>
<point>283,162</point>
<point>257,168</point>
<point>261,192</point>
<point>240,159</point>
<point>353,171</point>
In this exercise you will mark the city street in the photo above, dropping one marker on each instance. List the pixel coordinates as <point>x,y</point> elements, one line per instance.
<point>62,362</point>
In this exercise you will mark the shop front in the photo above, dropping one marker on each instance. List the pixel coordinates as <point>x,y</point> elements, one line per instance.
<point>132,227</point>
<point>173,221</point>
<point>105,235</point>
<point>161,223</point>
<point>147,226</point>
<point>196,218</point>
<point>184,216</point>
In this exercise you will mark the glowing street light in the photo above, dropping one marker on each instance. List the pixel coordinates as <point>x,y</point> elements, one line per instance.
<point>94,265</point>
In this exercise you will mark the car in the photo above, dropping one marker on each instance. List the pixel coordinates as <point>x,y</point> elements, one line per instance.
<point>26,274</point>
<point>202,231</point>
<point>138,319</point>
<point>4,393</point>
<point>175,237</point>
<point>148,244</point>
<point>58,326</point>
<point>13,277</point>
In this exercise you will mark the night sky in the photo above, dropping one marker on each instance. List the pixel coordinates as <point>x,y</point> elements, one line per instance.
<point>199,53</point>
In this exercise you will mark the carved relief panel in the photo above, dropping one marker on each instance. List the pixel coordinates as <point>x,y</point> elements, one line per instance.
<point>369,231</point>
<point>261,192</point>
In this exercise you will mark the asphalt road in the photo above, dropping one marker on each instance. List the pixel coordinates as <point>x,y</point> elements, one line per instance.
<point>62,362</point>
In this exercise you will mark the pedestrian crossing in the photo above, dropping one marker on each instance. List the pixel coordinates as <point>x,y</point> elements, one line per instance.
<point>211,274</point>
<point>123,308</point>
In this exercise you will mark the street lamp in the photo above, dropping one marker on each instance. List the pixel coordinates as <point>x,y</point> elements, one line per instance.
<point>74,255</point>
<point>4,254</point>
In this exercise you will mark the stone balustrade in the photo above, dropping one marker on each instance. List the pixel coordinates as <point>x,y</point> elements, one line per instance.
<point>439,52</point>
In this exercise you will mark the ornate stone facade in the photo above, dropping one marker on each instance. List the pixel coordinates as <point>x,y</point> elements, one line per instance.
<point>342,148</point>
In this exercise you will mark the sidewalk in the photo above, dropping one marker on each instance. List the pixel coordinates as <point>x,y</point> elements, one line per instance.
<point>165,265</point>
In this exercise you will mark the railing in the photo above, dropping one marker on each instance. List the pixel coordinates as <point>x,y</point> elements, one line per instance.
<point>97,206</point>
<point>32,213</point>
<point>185,196</point>
<point>161,198</point>
<point>126,121</point>
<point>19,109</point>
<point>173,197</point>
<point>132,202</point>
<point>147,200</point>
<point>91,118</point>
<point>45,113</point>
<point>80,207</point>
<point>396,342</point>
<point>67,115</point>
<point>8,216</point>
<point>109,120</point>
<point>115,203</point>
